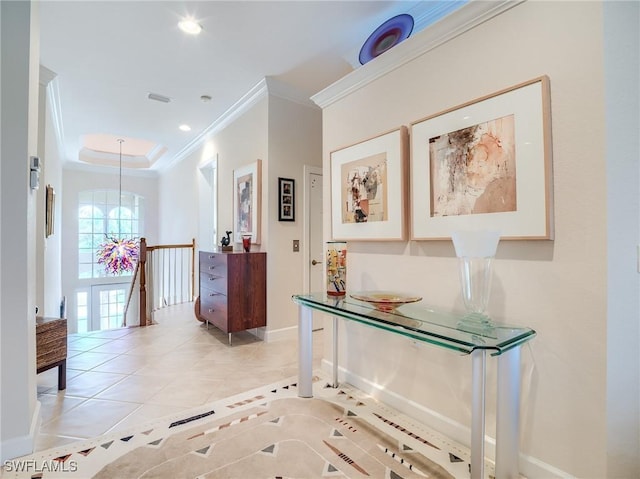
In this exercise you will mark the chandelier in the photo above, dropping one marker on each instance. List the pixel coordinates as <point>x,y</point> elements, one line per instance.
<point>119,255</point>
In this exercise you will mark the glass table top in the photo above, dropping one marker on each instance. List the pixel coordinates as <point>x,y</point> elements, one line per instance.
<point>456,331</point>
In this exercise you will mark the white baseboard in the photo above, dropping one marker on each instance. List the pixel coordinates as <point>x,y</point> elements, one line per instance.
<point>530,467</point>
<point>22,445</point>
<point>283,333</point>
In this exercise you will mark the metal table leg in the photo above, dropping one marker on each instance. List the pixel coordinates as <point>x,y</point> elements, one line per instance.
<point>478,380</point>
<point>508,415</point>
<point>305,352</point>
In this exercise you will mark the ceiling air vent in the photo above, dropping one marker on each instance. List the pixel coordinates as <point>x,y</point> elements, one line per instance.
<point>156,97</point>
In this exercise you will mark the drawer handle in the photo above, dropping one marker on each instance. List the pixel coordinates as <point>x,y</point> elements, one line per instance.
<point>215,294</point>
<point>212,267</point>
<point>211,310</point>
<point>211,278</point>
<point>211,256</point>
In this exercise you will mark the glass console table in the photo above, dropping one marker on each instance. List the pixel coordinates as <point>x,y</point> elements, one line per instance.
<point>444,330</point>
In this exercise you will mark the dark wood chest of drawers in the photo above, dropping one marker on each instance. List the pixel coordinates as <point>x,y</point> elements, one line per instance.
<point>233,290</point>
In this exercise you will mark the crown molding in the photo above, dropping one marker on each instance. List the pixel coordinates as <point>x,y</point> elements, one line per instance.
<point>241,106</point>
<point>283,90</point>
<point>46,76</point>
<point>265,87</point>
<point>451,26</point>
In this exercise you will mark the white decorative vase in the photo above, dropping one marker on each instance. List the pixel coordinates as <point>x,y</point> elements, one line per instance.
<point>475,251</point>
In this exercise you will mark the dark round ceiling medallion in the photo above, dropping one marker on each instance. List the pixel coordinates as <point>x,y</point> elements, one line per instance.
<point>386,36</point>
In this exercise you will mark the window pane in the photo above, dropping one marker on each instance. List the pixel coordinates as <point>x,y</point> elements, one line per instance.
<point>85,240</point>
<point>125,228</point>
<point>94,226</point>
<point>98,225</point>
<point>85,212</point>
<point>85,225</point>
<point>84,270</point>
<point>99,271</point>
<point>112,228</point>
<point>97,241</point>
<point>85,256</point>
<point>81,299</point>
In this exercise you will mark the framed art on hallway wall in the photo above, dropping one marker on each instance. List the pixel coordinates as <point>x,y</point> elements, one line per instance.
<point>485,165</point>
<point>50,208</point>
<point>368,184</point>
<point>247,193</point>
<point>286,199</point>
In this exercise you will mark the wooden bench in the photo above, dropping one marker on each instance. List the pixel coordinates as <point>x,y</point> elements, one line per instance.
<point>51,347</point>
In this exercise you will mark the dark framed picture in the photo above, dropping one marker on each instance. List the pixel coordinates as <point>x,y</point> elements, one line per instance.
<point>286,199</point>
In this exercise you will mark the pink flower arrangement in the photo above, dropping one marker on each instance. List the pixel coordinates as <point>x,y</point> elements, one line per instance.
<point>119,255</point>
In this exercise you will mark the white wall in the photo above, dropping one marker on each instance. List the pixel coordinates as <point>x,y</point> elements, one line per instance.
<point>77,180</point>
<point>19,141</point>
<point>183,186</point>
<point>558,288</point>
<point>49,263</point>
<point>295,140</point>
<point>622,80</point>
<point>284,135</point>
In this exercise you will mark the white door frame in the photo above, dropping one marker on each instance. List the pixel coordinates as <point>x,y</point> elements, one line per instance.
<point>306,250</point>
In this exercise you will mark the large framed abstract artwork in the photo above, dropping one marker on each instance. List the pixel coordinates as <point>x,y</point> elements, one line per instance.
<point>485,164</point>
<point>368,188</point>
<point>246,202</point>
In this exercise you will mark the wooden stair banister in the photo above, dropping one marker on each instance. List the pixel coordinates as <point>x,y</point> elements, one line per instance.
<point>143,259</point>
<point>143,281</point>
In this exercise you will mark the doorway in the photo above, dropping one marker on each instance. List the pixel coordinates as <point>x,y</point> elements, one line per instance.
<point>107,304</point>
<point>313,238</point>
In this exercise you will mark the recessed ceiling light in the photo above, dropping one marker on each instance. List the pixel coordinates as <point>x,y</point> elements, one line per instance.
<point>184,128</point>
<point>190,26</point>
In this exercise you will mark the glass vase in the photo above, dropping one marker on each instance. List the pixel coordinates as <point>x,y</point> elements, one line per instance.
<point>475,281</point>
<point>475,251</point>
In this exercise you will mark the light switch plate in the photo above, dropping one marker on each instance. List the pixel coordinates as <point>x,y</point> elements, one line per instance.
<point>296,246</point>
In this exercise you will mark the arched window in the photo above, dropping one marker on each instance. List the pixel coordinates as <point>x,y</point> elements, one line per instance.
<point>101,214</point>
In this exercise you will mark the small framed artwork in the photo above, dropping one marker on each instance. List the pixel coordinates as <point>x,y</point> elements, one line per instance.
<point>368,188</point>
<point>486,165</point>
<point>247,193</point>
<point>50,208</point>
<point>286,199</point>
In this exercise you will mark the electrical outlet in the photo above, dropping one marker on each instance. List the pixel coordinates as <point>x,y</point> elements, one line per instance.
<point>296,246</point>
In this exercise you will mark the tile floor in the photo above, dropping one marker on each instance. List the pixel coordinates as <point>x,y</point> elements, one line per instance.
<point>123,377</point>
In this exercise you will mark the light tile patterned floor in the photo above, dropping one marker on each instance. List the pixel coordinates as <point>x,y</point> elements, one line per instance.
<point>120,378</point>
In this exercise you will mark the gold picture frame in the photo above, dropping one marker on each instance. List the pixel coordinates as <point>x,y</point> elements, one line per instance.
<point>247,192</point>
<point>368,189</point>
<point>486,165</point>
<point>50,208</point>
